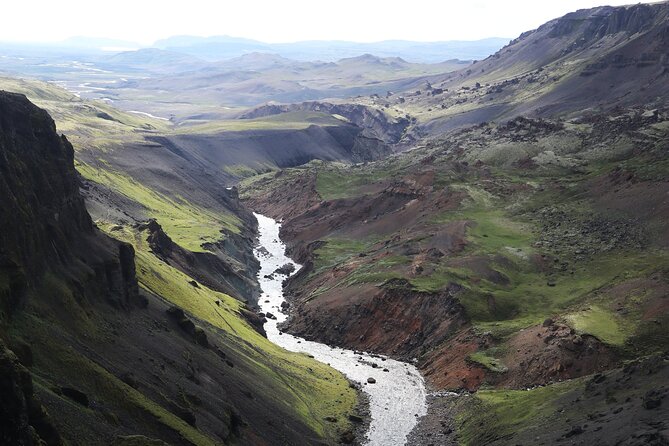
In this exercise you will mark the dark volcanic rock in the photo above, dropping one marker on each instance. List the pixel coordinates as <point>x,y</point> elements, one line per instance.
<point>23,420</point>
<point>42,211</point>
<point>575,430</point>
<point>75,395</point>
<point>653,399</point>
<point>257,321</point>
<point>355,418</point>
<point>44,222</point>
<point>605,21</point>
<point>285,270</point>
<point>188,326</point>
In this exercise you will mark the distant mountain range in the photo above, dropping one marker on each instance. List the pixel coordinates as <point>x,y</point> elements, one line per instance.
<point>225,47</point>
<point>251,79</point>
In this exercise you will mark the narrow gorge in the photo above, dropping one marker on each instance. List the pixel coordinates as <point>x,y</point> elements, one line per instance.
<point>395,390</point>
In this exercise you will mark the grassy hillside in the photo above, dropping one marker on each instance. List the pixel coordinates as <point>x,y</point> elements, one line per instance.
<point>141,370</point>
<point>543,239</point>
<point>295,381</point>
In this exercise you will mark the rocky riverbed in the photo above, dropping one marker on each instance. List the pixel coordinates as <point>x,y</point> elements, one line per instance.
<point>396,390</point>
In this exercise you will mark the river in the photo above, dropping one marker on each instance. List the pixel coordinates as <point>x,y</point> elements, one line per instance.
<point>396,400</point>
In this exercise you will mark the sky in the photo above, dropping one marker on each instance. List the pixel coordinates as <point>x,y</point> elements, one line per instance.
<point>145,21</point>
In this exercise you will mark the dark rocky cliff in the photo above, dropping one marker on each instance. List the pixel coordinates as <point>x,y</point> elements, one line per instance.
<point>600,22</point>
<point>45,225</point>
<point>375,123</point>
<point>42,210</point>
<point>45,231</point>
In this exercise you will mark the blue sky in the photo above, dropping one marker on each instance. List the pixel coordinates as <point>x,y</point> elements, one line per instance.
<point>145,21</point>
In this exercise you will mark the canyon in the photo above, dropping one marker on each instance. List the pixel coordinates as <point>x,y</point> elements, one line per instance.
<point>361,251</point>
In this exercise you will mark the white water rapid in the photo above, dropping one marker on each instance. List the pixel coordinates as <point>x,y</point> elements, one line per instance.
<point>397,399</point>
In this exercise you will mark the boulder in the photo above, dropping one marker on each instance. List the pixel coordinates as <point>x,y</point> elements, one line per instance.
<point>75,395</point>
<point>285,270</point>
<point>201,337</point>
<point>652,399</point>
<point>355,418</point>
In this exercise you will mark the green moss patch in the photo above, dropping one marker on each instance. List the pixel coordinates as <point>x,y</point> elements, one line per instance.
<point>336,251</point>
<point>601,323</point>
<point>87,124</point>
<point>498,414</point>
<point>282,121</point>
<point>489,362</point>
<point>531,297</point>
<point>187,224</point>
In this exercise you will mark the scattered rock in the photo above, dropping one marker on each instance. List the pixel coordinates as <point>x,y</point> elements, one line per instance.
<point>285,270</point>
<point>598,378</point>
<point>355,418</point>
<point>185,413</point>
<point>201,337</point>
<point>348,437</point>
<point>23,351</point>
<point>652,399</point>
<point>371,380</point>
<point>129,379</point>
<point>75,395</point>
<point>175,312</point>
<point>575,430</point>
<point>187,325</point>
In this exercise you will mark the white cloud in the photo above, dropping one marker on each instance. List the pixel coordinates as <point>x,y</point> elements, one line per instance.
<point>280,21</point>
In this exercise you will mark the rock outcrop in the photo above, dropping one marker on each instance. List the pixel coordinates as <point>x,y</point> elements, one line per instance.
<point>46,227</point>
<point>23,419</point>
<point>206,267</point>
<point>42,210</point>
<point>375,123</point>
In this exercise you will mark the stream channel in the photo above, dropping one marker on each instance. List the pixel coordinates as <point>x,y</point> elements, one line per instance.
<point>398,397</point>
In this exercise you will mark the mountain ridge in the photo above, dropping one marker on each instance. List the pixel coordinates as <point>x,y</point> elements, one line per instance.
<point>589,59</point>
